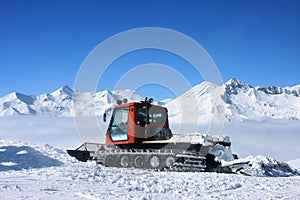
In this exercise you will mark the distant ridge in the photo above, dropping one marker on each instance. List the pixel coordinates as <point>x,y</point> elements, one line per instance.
<point>235,100</point>
<point>61,102</point>
<point>241,101</point>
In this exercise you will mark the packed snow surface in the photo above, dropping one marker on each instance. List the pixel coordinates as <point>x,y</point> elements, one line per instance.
<point>74,180</point>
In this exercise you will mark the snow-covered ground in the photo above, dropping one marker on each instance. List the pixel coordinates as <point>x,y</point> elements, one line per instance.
<point>65,178</point>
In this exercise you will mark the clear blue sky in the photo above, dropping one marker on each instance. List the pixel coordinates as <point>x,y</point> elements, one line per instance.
<point>43,43</point>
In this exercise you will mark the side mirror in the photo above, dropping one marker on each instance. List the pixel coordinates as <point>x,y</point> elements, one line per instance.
<point>104,116</point>
<point>150,100</point>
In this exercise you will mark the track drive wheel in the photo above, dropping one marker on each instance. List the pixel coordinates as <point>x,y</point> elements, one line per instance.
<point>138,161</point>
<point>169,161</point>
<point>154,162</point>
<point>125,161</point>
<point>109,161</point>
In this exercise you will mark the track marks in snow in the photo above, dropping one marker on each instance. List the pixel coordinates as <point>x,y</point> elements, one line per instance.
<point>86,196</point>
<point>91,181</point>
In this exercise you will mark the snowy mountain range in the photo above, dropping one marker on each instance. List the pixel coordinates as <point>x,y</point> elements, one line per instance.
<point>61,102</point>
<point>261,102</point>
<point>233,99</point>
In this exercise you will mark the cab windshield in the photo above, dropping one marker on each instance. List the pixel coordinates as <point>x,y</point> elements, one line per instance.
<point>119,122</point>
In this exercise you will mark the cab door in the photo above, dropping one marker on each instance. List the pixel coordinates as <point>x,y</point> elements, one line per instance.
<point>118,128</point>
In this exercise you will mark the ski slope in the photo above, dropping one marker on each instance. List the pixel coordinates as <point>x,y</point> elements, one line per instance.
<point>65,178</point>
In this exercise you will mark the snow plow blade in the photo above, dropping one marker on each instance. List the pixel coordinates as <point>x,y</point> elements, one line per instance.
<point>82,156</point>
<point>85,152</point>
<point>236,166</point>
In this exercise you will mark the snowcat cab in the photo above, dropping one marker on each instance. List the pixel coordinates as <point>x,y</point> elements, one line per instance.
<point>135,122</point>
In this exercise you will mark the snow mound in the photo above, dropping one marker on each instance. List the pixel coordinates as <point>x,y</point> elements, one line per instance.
<point>295,163</point>
<point>222,153</point>
<point>263,166</point>
<point>20,155</point>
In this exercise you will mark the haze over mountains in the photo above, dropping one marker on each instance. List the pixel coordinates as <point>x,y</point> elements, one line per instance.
<point>233,99</point>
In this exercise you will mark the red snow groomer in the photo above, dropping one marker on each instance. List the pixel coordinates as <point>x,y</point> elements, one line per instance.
<point>138,136</point>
